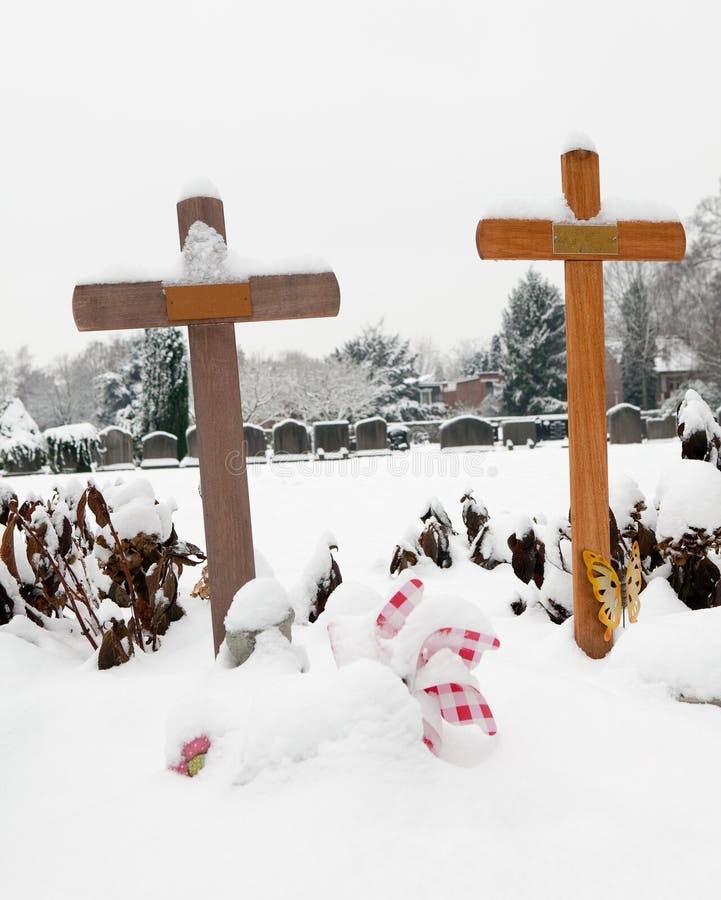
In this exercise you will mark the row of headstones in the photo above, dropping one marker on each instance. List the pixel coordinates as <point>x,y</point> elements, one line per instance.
<point>625,424</point>
<point>293,438</point>
<point>289,438</point>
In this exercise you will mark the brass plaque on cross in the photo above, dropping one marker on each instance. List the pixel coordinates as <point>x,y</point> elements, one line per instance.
<point>208,301</point>
<point>596,240</point>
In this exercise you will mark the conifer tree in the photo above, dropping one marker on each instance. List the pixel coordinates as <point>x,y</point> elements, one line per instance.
<point>388,361</point>
<point>165,384</point>
<point>533,348</point>
<point>638,355</point>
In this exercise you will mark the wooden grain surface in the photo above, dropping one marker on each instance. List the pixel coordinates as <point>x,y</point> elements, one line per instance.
<point>106,307</point>
<point>588,462</point>
<point>204,209</point>
<point>581,182</point>
<point>532,239</point>
<point>223,476</point>
<point>586,370</point>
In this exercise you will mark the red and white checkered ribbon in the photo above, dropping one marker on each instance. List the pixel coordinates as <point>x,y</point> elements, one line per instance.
<point>458,702</point>
<point>446,650</point>
<point>393,616</point>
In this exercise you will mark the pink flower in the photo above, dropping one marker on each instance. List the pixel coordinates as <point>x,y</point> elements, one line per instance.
<point>192,756</point>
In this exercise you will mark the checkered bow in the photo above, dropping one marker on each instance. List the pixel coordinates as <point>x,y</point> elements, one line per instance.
<point>442,681</point>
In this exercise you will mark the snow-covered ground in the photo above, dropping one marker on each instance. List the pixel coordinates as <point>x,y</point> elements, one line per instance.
<point>599,782</point>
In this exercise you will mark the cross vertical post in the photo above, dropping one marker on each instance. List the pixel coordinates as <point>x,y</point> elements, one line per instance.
<point>221,442</point>
<point>586,387</point>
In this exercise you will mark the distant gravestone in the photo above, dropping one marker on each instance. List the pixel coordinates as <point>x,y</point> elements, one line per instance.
<point>191,439</point>
<point>254,442</point>
<point>371,434</point>
<point>116,449</point>
<point>624,424</point>
<point>330,437</point>
<point>160,450</point>
<point>290,438</point>
<point>520,432</point>
<point>466,431</point>
<point>658,429</point>
<point>191,459</point>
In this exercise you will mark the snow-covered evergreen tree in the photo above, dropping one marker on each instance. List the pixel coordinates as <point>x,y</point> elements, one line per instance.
<point>165,384</point>
<point>118,390</point>
<point>533,348</point>
<point>486,359</point>
<point>389,362</point>
<point>7,378</point>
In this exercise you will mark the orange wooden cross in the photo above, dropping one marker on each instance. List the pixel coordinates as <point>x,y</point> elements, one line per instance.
<point>210,311</point>
<point>584,246</point>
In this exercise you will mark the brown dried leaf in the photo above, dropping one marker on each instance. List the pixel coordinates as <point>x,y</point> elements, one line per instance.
<point>402,559</point>
<point>119,595</point>
<point>65,538</point>
<point>7,546</point>
<point>202,588</point>
<point>98,506</point>
<point>80,518</point>
<point>184,552</point>
<point>112,652</point>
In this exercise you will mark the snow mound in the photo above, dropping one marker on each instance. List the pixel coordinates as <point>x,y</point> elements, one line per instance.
<point>688,496</point>
<point>259,604</point>
<point>256,724</point>
<point>680,650</point>
<point>134,510</point>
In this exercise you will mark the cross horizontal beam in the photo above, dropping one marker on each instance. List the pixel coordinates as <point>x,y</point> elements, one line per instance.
<point>143,304</point>
<point>532,239</point>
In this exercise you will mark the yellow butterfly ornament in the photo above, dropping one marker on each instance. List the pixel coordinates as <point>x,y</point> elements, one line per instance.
<point>615,594</point>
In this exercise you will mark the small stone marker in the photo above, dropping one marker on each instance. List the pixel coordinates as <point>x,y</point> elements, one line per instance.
<point>466,432</point>
<point>371,435</point>
<point>399,437</point>
<point>160,451</point>
<point>210,311</point>
<point>583,245</point>
<point>624,424</point>
<point>116,449</point>
<point>330,437</point>
<point>519,432</point>
<point>261,605</point>
<point>290,438</point>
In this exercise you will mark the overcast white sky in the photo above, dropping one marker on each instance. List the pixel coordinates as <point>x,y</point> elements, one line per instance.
<point>370,134</point>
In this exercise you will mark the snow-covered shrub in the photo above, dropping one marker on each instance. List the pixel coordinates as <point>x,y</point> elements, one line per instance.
<point>22,448</point>
<point>626,514</point>
<point>699,432</point>
<point>475,515</point>
<point>487,550</point>
<point>528,553</point>
<point>435,539</point>
<point>321,577</point>
<point>111,565</point>
<point>432,542</point>
<point>73,448</point>
<point>688,529</point>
